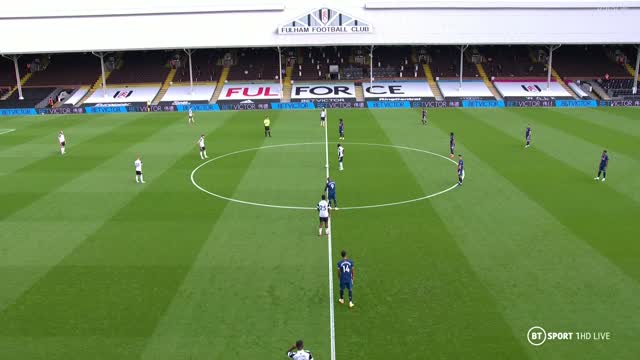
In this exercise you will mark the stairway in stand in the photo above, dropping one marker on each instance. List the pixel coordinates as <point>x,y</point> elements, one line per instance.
<point>286,84</point>
<point>562,83</point>
<point>488,82</point>
<point>97,85</point>
<point>432,82</point>
<point>223,78</point>
<point>15,88</point>
<point>359,92</point>
<point>165,86</point>
<point>630,70</point>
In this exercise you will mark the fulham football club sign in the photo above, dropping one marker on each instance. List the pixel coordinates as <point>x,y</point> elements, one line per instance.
<point>325,21</point>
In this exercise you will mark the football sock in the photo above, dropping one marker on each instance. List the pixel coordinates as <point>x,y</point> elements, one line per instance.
<point>350,295</point>
<point>141,178</point>
<point>320,231</point>
<point>341,293</point>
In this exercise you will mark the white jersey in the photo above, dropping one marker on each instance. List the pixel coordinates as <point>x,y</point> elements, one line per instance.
<point>60,138</point>
<point>138,165</point>
<point>201,142</point>
<point>190,113</point>
<point>323,114</point>
<point>323,209</point>
<point>340,152</point>
<point>300,355</point>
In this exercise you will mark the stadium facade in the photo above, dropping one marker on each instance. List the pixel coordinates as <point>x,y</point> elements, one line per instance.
<point>294,55</point>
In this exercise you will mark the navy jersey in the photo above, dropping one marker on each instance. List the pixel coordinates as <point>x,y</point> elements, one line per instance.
<point>346,270</point>
<point>460,166</point>
<point>331,188</point>
<point>424,114</point>
<point>452,142</point>
<point>604,161</point>
<point>528,133</point>
<point>341,127</point>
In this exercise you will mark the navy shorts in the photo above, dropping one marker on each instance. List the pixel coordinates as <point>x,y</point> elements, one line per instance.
<point>346,284</point>
<point>138,172</point>
<point>63,143</point>
<point>332,196</point>
<point>602,168</point>
<point>324,220</point>
<point>202,148</point>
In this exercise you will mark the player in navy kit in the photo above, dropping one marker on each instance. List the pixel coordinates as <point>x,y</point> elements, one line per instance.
<point>330,188</point>
<point>424,116</point>
<point>602,169</point>
<point>452,145</point>
<point>346,274</point>
<point>460,170</point>
<point>341,129</point>
<point>527,136</point>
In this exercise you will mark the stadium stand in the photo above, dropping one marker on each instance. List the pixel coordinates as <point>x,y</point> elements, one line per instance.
<point>445,63</point>
<point>7,73</point>
<point>391,62</point>
<point>611,65</point>
<point>617,87</point>
<point>255,64</point>
<point>32,96</point>
<point>142,67</point>
<point>512,62</point>
<point>314,64</point>
<point>587,62</point>
<point>206,66</point>
<point>71,70</point>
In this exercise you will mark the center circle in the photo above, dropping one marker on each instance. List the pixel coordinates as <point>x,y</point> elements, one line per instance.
<point>320,164</point>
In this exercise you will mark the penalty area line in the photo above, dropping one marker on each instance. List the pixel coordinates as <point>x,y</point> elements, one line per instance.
<point>6,131</point>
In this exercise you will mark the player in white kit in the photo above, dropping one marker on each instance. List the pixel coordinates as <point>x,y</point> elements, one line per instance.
<point>138,166</point>
<point>297,352</point>
<point>62,142</point>
<point>340,156</point>
<point>203,149</point>
<point>191,121</point>
<point>323,117</point>
<point>323,212</point>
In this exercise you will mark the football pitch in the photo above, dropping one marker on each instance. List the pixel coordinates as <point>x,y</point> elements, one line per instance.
<point>221,258</point>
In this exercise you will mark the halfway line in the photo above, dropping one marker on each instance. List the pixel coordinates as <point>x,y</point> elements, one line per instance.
<point>331,305</point>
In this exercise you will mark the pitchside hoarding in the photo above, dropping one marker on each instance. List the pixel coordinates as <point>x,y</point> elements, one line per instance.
<point>234,93</point>
<point>323,92</point>
<point>123,95</point>
<point>397,91</point>
<point>524,89</point>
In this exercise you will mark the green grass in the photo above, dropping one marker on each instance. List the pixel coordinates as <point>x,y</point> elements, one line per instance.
<point>95,266</point>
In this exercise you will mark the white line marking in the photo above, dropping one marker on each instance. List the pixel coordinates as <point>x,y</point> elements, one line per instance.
<point>6,131</point>
<point>327,160</point>
<point>332,321</point>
